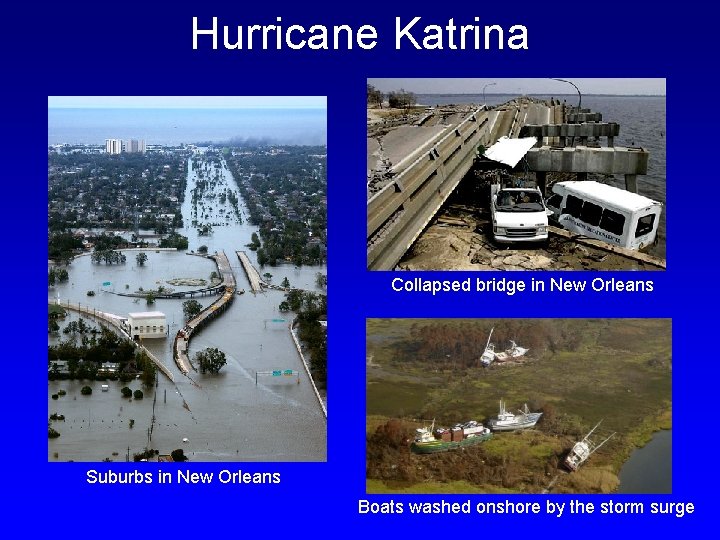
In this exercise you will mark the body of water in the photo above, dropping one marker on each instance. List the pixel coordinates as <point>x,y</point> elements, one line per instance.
<point>642,122</point>
<point>649,469</point>
<point>176,126</point>
<point>226,417</point>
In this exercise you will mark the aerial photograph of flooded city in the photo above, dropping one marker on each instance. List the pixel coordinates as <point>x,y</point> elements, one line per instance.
<point>187,277</point>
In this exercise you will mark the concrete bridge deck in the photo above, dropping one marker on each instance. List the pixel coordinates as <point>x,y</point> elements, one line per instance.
<point>256,283</point>
<point>184,335</point>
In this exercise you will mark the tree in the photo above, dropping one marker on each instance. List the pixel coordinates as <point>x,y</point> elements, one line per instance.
<point>178,455</point>
<point>150,299</point>
<point>267,276</point>
<point>285,282</point>
<point>210,360</point>
<point>401,99</point>
<point>191,308</point>
<point>137,394</point>
<point>321,280</point>
<point>86,390</point>
<point>149,370</point>
<point>202,249</point>
<point>374,96</point>
<point>126,392</point>
<point>141,258</point>
<point>51,277</point>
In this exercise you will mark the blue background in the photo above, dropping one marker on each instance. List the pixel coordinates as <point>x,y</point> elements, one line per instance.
<point>103,48</point>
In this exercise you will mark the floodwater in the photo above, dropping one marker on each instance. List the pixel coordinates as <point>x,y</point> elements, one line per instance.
<point>225,417</point>
<point>649,469</point>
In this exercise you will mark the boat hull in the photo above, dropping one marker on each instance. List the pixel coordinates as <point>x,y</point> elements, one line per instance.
<point>497,426</point>
<point>433,447</point>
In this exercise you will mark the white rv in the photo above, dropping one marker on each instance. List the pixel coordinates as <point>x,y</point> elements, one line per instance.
<point>611,214</point>
<point>518,214</point>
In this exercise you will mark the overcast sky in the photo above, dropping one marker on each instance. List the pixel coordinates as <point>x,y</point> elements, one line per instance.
<point>522,86</point>
<point>190,102</point>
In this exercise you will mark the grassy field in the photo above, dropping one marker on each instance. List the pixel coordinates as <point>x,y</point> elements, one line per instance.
<point>615,370</point>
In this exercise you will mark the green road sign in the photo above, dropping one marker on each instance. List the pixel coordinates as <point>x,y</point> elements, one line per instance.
<point>106,283</point>
<point>276,373</point>
<point>288,372</point>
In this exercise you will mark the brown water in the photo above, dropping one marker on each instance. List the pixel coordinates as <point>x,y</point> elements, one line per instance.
<point>228,417</point>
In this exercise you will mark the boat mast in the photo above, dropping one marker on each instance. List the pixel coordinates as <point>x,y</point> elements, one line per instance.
<point>489,337</point>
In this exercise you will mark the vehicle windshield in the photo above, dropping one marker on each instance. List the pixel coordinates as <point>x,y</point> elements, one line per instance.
<point>519,201</point>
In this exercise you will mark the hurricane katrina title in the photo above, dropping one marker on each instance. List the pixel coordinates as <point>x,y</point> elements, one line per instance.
<point>409,34</point>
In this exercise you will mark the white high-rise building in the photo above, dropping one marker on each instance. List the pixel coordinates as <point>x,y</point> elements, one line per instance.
<point>113,146</point>
<point>135,145</point>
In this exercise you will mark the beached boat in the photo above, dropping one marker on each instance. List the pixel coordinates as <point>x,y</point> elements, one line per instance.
<point>488,355</point>
<point>430,440</point>
<point>583,449</point>
<point>515,351</point>
<point>507,421</point>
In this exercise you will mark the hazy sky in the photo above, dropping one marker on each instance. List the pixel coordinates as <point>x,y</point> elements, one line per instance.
<point>522,86</point>
<point>194,102</point>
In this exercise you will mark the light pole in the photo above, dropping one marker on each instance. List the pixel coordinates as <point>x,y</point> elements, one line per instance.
<point>576,88</point>
<point>484,87</point>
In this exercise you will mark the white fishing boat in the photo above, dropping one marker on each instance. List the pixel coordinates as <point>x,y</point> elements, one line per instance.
<point>515,351</point>
<point>488,356</point>
<point>507,421</point>
<point>583,449</point>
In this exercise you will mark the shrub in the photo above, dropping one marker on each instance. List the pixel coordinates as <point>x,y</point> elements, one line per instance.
<point>126,392</point>
<point>178,455</point>
<point>86,391</point>
<point>54,396</point>
<point>138,394</point>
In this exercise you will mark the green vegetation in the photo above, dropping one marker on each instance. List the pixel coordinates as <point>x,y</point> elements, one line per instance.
<point>86,390</point>
<point>94,348</point>
<point>178,455</point>
<point>578,371</point>
<point>311,308</point>
<point>401,99</point>
<point>374,96</point>
<point>284,188</point>
<point>62,246</point>
<point>52,433</point>
<point>203,249</point>
<point>285,283</point>
<point>148,368</point>
<point>174,240</point>
<point>210,360</point>
<point>141,258</point>
<point>126,392</point>
<point>59,275</point>
<point>108,256</point>
<point>191,308</point>
<point>137,394</point>
<point>148,186</point>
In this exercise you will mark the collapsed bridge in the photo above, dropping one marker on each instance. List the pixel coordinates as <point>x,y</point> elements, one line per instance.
<point>413,169</point>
